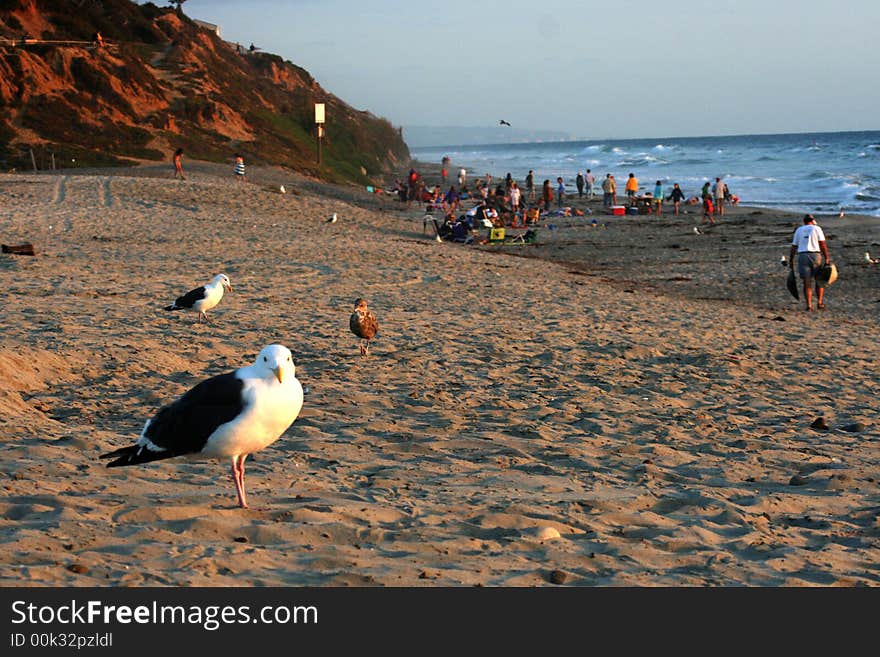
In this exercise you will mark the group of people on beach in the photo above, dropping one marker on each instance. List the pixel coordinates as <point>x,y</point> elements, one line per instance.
<point>808,253</point>
<point>237,166</point>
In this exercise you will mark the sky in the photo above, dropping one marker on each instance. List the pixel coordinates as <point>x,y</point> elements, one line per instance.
<point>592,70</point>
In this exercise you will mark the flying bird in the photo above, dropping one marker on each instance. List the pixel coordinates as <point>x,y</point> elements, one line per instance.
<point>363,324</point>
<point>282,190</point>
<point>229,415</point>
<point>503,122</point>
<point>870,260</point>
<point>783,261</point>
<point>333,219</point>
<point>697,231</point>
<point>202,299</point>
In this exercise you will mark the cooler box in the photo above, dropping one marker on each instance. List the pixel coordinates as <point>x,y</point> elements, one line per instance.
<point>618,210</point>
<point>632,210</point>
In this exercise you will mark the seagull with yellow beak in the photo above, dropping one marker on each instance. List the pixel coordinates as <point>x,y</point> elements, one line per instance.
<point>227,416</point>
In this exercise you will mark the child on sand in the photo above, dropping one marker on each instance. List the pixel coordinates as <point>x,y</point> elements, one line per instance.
<point>708,211</point>
<point>178,164</point>
<point>658,198</point>
<point>238,169</point>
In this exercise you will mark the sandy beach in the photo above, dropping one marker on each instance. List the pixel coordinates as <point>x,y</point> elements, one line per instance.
<point>628,404</point>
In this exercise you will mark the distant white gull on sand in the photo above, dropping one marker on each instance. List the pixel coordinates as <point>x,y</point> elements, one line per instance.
<point>227,416</point>
<point>202,299</point>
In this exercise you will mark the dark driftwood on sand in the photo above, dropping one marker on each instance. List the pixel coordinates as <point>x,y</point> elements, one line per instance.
<point>19,249</point>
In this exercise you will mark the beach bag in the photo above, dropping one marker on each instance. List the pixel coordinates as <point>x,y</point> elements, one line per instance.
<point>827,273</point>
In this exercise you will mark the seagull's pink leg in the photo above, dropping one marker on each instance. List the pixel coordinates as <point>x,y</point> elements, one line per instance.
<point>241,479</point>
<point>238,478</point>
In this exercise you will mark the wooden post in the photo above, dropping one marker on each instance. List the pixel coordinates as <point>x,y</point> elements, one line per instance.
<point>320,139</point>
<point>53,161</point>
<point>33,159</point>
<point>319,122</point>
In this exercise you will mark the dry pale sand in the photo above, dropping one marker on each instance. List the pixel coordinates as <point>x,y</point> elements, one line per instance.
<point>636,414</point>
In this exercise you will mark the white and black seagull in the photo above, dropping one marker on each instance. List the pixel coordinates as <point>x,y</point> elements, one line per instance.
<point>227,416</point>
<point>202,299</point>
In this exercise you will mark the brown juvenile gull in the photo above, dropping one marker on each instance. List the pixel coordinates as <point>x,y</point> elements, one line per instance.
<point>363,324</point>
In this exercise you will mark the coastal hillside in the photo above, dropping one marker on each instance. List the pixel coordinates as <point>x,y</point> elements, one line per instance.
<point>159,82</point>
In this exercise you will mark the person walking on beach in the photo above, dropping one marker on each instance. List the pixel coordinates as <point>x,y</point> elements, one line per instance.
<point>462,178</point>
<point>453,199</point>
<point>658,198</point>
<point>579,181</point>
<point>530,186</point>
<point>632,188</point>
<point>708,206</point>
<point>809,245</point>
<point>238,168</point>
<point>589,181</point>
<point>719,191</point>
<point>515,196</point>
<point>547,195</point>
<point>613,191</point>
<point>704,191</point>
<point>676,196</point>
<point>607,188</point>
<point>178,164</point>
<point>444,170</point>
<point>560,192</point>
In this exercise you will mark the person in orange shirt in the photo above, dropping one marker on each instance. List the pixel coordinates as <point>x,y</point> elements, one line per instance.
<point>632,188</point>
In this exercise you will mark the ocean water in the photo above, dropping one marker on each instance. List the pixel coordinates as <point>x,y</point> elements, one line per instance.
<point>821,173</point>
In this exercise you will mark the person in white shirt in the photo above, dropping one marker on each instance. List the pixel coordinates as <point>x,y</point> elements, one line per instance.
<point>808,244</point>
<point>719,191</point>
<point>515,195</point>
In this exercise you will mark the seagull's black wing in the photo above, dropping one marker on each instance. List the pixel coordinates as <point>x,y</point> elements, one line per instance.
<point>184,426</point>
<point>190,298</point>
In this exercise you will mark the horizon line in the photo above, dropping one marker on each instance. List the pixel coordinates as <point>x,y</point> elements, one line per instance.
<point>574,139</point>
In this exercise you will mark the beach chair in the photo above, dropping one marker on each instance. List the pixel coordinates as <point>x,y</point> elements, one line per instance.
<point>528,237</point>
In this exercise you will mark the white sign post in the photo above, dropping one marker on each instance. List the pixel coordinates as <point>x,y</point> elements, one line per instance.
<point>319,122</point>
